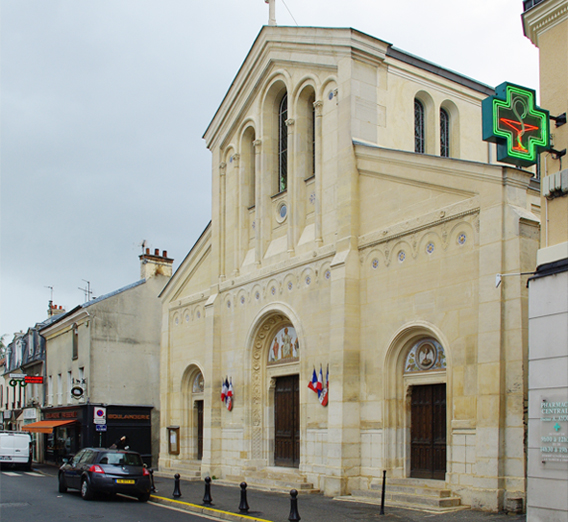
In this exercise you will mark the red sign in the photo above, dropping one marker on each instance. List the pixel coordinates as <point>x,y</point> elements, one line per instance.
<point>33,379</point>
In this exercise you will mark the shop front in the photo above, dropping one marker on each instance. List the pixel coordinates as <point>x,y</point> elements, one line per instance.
<point>69,429</point>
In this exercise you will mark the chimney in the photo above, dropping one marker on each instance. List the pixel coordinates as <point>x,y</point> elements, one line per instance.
<point>53,309</point>
<point>155,264</point>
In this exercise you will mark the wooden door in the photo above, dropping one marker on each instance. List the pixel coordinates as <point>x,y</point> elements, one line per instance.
<point>199,405</point>
<point>287,421</point>
<point>428,432</point>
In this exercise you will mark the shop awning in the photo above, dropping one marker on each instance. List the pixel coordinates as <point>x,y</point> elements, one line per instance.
<point>46,426</point>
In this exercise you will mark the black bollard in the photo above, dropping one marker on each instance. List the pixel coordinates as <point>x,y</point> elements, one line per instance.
<point>177,492</point>
<point>152,486</point>
<point>294,515</point>
<point>243,506</point>
<point>207,500</point>
<point>382,512</point>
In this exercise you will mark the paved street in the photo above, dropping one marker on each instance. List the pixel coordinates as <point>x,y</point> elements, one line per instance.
<point>33,496</point>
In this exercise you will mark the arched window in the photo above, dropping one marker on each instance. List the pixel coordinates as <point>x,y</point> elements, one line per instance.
<point>418,126</point>
<point>313,138</point>
<point>283,144</point>
<point>444,133</point>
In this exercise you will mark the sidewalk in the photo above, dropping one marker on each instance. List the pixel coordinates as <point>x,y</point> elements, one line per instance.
<point>275,507</point>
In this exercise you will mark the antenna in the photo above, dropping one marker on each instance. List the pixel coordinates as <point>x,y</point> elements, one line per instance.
<point>143,245</point>
<point>51,288</point>
<point>87,290</point>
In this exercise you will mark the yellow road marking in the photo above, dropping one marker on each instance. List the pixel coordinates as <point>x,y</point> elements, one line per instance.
<point>211,509</point>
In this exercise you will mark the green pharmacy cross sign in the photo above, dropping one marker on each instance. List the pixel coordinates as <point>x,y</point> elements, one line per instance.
<point>513,121</point>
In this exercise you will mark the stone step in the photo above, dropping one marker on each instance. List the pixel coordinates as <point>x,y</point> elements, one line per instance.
<point>413,489</point>
<point>271,481</point>
<point>418,496</point>
<point>407,505</point>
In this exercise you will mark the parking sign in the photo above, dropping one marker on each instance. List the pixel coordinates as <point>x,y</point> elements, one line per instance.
<point>100,415</point>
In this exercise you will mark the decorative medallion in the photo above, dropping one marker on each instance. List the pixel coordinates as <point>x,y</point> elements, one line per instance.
<point>401,256</point>
<point>430,248</point>
<point>242,299</point>
<point>308,280</point>
<point>313,198</point>
<point>187,318</point>
<point>283,210</point>
<point>290,285</point>
<point>228,304</point>
<point>424,356</point>
<point>284,346</point>
<point>375,263</point>
<point>253,225</point>
<point>198,314</point>
<point>257,296</point>
<point>273,290</point>
<point>176,320</point>
<point>198,383</point>
<point>328,274</point>
<point>462,238</point>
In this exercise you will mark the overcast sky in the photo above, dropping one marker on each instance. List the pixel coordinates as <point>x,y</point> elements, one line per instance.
<point>104,103</point>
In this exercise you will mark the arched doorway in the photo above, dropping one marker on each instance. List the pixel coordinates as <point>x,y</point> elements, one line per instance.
<point>193,391</point>
<point>427,410</point>
<point>275,405</point>
<point>416,395</point>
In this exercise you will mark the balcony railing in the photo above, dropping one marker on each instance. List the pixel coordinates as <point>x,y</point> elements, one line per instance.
<point>529,4</point>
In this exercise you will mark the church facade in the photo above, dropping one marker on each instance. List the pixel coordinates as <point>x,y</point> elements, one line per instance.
<point>358,226</point>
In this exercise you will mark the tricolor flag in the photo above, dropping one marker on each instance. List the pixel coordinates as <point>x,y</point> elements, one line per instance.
<point>229,400</point>
<point>224,390</point>
<point>312,385</point>
<point>320,383</point>
<point>325,393</point>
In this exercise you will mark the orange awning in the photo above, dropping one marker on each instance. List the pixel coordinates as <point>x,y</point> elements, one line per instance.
<point>46,426</point>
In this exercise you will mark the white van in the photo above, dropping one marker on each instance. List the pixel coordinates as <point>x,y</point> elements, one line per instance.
<point>15,448</point>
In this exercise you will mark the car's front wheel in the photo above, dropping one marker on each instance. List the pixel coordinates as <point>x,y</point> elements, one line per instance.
<point>62,484</point>
<point>86,491</point>
<point>144,497</point>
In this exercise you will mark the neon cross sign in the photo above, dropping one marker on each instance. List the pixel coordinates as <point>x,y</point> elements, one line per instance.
<point>513,121</point>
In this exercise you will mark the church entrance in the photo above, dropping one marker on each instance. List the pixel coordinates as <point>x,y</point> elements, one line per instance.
<point>287,421</point>
<point>199,407</point>
<point>428,432</point>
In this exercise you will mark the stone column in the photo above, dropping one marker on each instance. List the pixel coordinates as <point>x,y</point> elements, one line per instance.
<point>258,203</point>
<point>240,209</point>
<point>222,219</point>
<point>318,158</point>
<point>291,187</point>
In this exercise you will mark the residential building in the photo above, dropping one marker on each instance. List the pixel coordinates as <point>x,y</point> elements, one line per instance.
<point>102,368</point>
<point>545,23</point>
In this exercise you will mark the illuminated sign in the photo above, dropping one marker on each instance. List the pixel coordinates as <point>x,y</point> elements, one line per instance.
<point>33,379</point>
<point>513,121</point>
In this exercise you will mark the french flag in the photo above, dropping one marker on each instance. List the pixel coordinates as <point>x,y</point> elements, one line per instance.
<point>320,383</point>
<point>313,384</point>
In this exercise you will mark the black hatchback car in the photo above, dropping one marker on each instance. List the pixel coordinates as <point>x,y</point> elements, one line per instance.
<point>101,470</point>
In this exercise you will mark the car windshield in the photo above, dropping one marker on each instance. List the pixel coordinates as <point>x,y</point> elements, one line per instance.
<point>121,459</point>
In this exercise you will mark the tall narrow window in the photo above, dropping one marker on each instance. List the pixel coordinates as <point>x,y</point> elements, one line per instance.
<point>418,126</point>
<point>444,133</point>
<point>59,389</point>
<point>75,341</point>
<point>283,144</point>
<point>313,138</point>
<point>50,390</point>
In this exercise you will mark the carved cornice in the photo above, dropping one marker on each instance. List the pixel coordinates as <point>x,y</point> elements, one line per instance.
<point>407,228</point>
<point>544,16</point>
